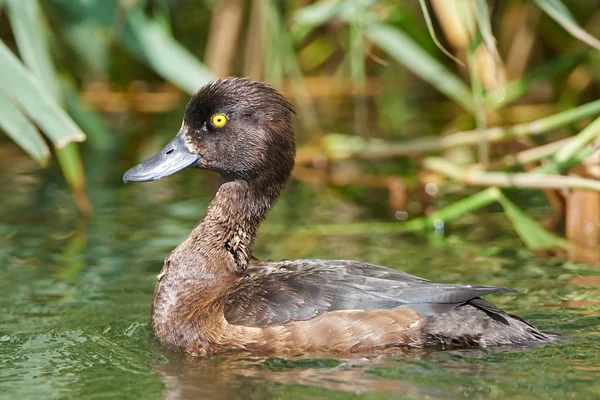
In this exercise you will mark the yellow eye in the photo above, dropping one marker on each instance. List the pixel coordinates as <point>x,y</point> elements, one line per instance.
<point>219,120</point>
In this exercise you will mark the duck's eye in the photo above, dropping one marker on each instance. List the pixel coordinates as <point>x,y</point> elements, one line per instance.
<point>219,120</point>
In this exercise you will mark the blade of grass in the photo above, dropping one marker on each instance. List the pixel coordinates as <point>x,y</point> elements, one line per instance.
<point>563,166</point>
<point>27,24</point>
<point>529,230</point>
<point>529,180</point>
<point>72,167</point>
<point>515,89</point>
<point>338,147</point>
<point>561,14</point>
<point>21,130</point>
<point>454,211</point>
<point>144,38</point>
<point>586,136</point>
<point>70,162</point>
<point>408,53</point>
<point>431,30</point>
<point>27,90</point>
<point>149,42</point>
<point>449,213</point>
<point>532,155</point>
<point>33,45</point>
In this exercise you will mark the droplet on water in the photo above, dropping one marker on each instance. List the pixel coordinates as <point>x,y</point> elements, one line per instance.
<point>439,227</point>
<point>401,215</point>
<point>431,189</point>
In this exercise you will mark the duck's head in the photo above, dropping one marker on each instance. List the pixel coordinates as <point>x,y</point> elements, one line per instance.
<point>236,127</point>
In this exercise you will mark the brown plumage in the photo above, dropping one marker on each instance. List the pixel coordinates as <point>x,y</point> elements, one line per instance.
<point>212,295</point>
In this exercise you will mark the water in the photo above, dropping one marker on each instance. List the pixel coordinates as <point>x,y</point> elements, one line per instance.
<point>75,296</point>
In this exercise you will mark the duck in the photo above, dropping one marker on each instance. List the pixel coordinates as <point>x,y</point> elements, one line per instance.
<point>213,296</point>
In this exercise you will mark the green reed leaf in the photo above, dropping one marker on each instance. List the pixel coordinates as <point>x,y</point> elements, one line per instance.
<point>36,101</point>
<point>143,37</point>
<point>529,230</point>
<point>561,14</point>
<point>21,130</point>
<point>408,53</point>
<point>149,42</point>
<point>28,28</point>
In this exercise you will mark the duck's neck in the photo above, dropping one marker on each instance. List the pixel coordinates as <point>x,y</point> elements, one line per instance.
<point>221,243</point>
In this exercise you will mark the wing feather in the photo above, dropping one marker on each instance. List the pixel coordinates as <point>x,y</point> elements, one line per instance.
<point>279,293</point>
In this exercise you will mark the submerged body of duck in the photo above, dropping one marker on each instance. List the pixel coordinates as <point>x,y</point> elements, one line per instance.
<point>212,295</point>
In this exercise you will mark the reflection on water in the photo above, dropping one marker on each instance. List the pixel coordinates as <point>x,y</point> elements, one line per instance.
<point>75,297</point>
<point>413,373</point>
<point>237,376</point>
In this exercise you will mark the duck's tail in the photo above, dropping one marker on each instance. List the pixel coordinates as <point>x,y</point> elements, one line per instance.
<point>480,323</point>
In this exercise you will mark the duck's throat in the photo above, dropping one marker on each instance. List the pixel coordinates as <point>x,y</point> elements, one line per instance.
<point>222,241</point>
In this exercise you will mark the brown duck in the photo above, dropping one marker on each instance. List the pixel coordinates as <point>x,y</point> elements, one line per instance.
<point>212,295</point>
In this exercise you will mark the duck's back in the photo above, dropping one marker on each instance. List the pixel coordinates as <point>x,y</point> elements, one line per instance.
<point>345,306</point>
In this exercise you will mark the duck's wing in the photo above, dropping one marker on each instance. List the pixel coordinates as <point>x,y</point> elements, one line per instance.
<point>279,293</point>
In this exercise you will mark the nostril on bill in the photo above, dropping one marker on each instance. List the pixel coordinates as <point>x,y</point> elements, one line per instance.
<point>169,151</point>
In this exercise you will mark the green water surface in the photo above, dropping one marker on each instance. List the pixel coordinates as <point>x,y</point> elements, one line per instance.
<point>75,296</point>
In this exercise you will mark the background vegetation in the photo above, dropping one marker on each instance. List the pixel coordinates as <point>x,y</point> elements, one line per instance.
<point>420,100</point>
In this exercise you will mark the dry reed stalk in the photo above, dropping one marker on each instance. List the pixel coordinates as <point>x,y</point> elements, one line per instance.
<point>325,87</point>
<point>583,215</point>
<point>223,37</point>
<point>532,155</point>
<point>254,52</point>
<point>139,97</point>
<point>456,31</point>
<point>525,20</point>
<point>475,177</point>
